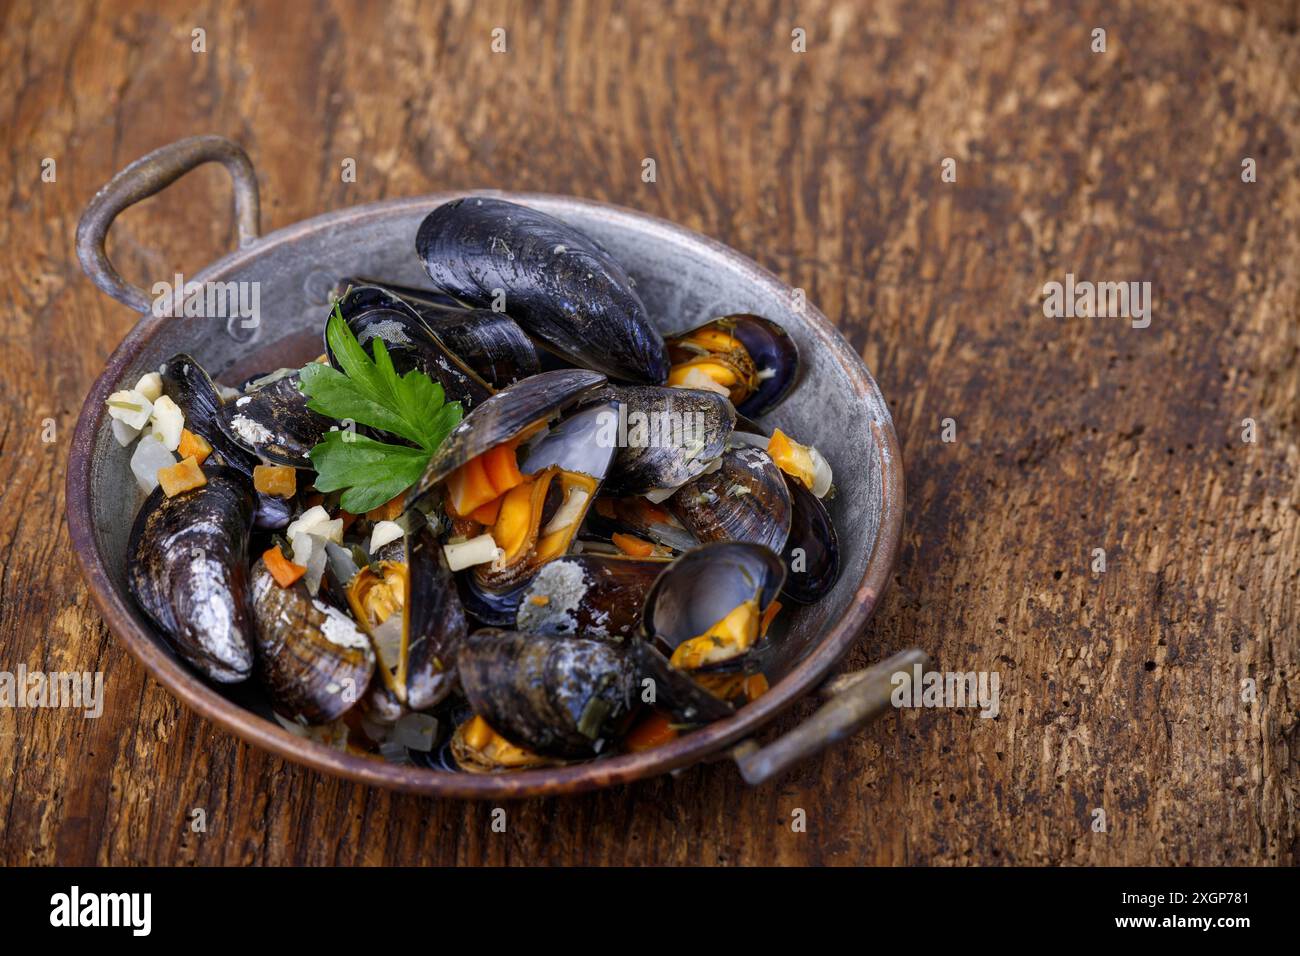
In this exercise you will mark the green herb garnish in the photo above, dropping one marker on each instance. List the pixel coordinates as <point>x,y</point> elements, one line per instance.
<point>367,392</point>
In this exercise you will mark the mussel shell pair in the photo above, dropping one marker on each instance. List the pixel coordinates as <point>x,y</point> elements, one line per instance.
<point>501,418</point>
<point>696,591</point>
<point>749,498</point>
<point>189,385</point>
<point>555,695</point>
<point>272,422</point>
<point>187,568</point>
<point>491,343</point>
<point>311,657</point>
<point>558,284</point>
<point>769,351</point>
<point>666,436</point>
<point>373,313</point>
<point>433,625</point>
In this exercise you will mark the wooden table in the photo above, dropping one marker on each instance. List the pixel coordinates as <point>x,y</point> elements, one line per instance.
<point>1120,691</point>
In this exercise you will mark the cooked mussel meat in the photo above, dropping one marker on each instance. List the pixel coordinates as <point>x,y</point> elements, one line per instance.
<point>187,568</point>
<point>311,657</point>
<point>555,282</point>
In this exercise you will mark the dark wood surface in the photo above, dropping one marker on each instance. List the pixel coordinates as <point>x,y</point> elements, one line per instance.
<point>1120,691</point>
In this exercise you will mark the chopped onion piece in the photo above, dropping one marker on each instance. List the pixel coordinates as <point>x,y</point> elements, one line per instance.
<point>150,386</point>
<point>123,432</point>
<point>821,473</point>
<point>308,520</point>
<point>149,458</point>
<point>384,533</point>
<point>416,731</point>
<point>168,421</point>
<point>467,554</point>
<point>130,407</point>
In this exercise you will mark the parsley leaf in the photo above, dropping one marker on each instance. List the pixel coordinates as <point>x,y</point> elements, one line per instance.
<point>371,392</point>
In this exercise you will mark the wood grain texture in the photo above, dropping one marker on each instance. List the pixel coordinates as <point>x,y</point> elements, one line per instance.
<point>1120,690</point>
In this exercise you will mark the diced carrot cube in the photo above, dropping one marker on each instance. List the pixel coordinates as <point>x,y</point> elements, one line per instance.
<point>182,476</point>
<point>193,446</point>
<point>280,480</point>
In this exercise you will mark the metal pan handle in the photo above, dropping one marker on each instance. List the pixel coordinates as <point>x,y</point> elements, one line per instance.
<point>858,699</point>
<point>146,176</point>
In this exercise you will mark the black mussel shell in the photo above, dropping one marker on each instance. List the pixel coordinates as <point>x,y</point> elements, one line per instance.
<point>502,417</point>
<point>374,313</point>
<point>274,423</point>
<point>491,343</point>
<point>666,436</point>
<point>812,550</point>
<point>435,622</point>
<point>312,658</point>
<point>674,690</point>
<point>558,284</point>
<point>188,384</point>
<point>775,357</point>
<point>702,587</point>
<point>555,695</point>
<point>187,568</point>
<point>494,608</point>
<point>745,499</point>
<point>590,595</point>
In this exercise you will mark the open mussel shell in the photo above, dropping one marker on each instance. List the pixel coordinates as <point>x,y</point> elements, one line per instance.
<point>567,464</point>
<point>590,595</point>
<point>187,568</point>
<point>554,695</point>
<point>419,633</point>
<point>188,384</point>
<point>311,657</point>
<point>812,550</point>
<point>673,690</point>
<point>744,499</point>
<point>502,417</point>
<point>274,423</point>
<point>435,621</point>
<point>558,285</point>
<point>639,517</point>
<point>702,587</point>
<point>489,342</point>
<point>375,313</point>
<point>665,436</point>
<point>766,366</point>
